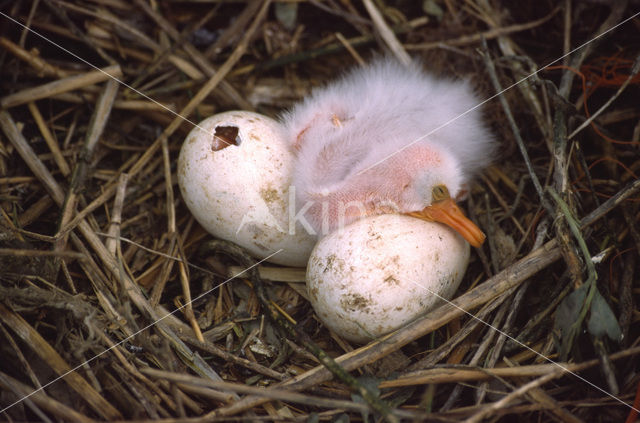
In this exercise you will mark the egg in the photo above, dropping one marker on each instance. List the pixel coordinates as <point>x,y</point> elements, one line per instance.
<point>375,275</point>
<point>234,172</point>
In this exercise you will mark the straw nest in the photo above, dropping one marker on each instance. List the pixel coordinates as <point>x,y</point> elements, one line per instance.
<point>97,247</point>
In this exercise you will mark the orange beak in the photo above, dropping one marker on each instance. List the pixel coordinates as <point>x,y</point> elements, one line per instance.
<point>447,211</point>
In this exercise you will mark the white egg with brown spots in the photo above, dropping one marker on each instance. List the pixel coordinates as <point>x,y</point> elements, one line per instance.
<point>380,273</point>
<point>234,173</point>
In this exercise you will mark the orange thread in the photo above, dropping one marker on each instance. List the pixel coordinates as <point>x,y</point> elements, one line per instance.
<point>636,405</point>
<point>616,161</point>
<point>605,159</point>
<point>613,259</point>
<point>608,77</point>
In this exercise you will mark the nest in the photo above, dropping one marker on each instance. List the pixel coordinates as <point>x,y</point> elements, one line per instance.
<point>112,309</point>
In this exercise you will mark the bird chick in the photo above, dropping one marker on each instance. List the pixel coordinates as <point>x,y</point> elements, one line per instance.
<point>387,139</point>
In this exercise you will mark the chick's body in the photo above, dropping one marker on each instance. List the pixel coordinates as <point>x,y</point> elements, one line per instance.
<point>379,139</point>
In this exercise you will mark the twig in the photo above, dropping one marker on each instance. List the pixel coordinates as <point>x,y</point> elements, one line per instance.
<point>197,57</point>
<point>61,86</point>
<point>234,30</point>
<point>36,62</point>
<point>276,274</point>
<point>509,49</point>
<point>513,307</point>
<point>106,16</point>
<point>387,34</point>
<point>211,348</point>
<point>566,39</point>
<point>323,51</point>
<point>512,396</point>
<point>68,23</point>
<point>49,355</point>
<point>627,306</point>
<point>41,253</point>
<point>238,254</point>
<point>561,175</point>
<point>186,291</point>
<point>116,215</point>
<point>591,271</point>
<point>276,394</point>
<point>514,128</point>
<point>450,374</point>
<point>42,400</point>
<point>25,31</point>
<point>350,49</point>
<point>479,36</point>
<point>30,157</point>
<point>445,349</point>
<point>48,137</point>
<point>96,128</point>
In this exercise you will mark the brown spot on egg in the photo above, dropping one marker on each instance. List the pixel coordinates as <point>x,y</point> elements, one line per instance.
<point>224,136</point>
<point>391,280</point>
<point>353,302</point>
<point>254,136</point>
<point>333,264</point>
<point>269,195</point>
<point>373,235</point>
<point>314,262</point>
<point>262,247</point>
<point>313,293</point>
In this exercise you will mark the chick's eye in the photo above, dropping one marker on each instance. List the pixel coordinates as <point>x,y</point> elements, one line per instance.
<point>439,192</point>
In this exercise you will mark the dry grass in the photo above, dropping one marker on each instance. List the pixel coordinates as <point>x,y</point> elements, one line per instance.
<point>95,239</point>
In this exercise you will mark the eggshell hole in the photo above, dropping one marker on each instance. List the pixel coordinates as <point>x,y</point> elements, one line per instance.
<point>225,136</point>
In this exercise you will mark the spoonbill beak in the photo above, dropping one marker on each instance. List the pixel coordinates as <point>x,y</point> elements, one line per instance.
<point>447,211</point>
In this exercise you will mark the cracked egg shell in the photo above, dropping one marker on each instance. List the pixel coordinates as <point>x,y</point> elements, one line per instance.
<point>234,172</point>
<point>379,273</point>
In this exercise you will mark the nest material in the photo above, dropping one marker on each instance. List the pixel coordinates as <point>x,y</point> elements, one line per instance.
<point>98,250</point>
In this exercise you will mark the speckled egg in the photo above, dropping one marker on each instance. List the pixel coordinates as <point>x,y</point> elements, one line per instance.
<point>379,273</point>
<point>234,172</point>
